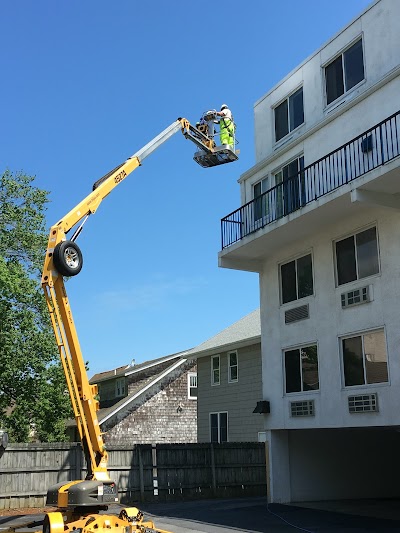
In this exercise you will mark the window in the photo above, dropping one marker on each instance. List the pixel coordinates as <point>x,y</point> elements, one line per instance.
<point>301,369</point>
<point>219,427</point>
<point>357,256</point>
<point>297,279</point>
<point>120,387</point>
<point>215,370</point>
<point>290,191</point>
<point>233,367</point>
<point>260,187</point>
<point>192,385</point>
<point>289,114</point>
<point>261,202</point>
<point>344,72</point>
<point>365,359</point>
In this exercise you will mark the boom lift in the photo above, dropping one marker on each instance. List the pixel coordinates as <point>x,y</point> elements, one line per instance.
<point>80,501</point>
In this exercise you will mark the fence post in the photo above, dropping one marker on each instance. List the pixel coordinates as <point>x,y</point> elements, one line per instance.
<point>78,461</point>
<point>155,470</point>
<point>141,476</point>
<point>213,472</point>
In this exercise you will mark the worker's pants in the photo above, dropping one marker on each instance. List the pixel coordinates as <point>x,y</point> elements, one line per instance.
<point>226,132</point>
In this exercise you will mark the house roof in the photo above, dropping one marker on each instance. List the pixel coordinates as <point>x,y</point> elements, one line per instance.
<point>141,387</point>
<point>126,370</point>
<point>136,389</point>
<point>244,332</point>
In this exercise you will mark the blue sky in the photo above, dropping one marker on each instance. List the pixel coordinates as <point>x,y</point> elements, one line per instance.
<point>84,86</point>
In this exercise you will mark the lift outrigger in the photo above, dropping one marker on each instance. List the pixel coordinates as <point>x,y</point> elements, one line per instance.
<point>79,502</point>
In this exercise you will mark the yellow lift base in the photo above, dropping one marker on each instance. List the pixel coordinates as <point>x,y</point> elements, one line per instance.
<point>130,520</point>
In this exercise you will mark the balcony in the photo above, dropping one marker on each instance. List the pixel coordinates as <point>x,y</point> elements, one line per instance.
<point>350,174</point>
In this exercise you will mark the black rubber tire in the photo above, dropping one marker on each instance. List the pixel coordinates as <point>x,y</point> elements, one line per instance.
<point>67,258</point>
<point>46,525</point>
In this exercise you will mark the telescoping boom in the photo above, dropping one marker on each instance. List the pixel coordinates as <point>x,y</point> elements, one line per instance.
<point>80,501</point>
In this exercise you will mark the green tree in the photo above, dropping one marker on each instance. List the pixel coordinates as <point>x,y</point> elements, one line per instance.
<point>32,386</point>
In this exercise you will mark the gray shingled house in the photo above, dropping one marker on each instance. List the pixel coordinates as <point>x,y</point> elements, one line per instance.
<point>230,384</point>
<point>151,402</point>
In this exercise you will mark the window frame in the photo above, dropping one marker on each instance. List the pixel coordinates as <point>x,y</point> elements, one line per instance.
<point>230,380</point>
<point>276,106</point>
<point>295,259</point>
<point>190,387</point>
<point>219,413</point>
<point>215,383</point>
<point>302,391</point>
<point>354,234</point>
<point>120,391</point>
<point>362,334</point>
<point>290,194</point>
<point>341,54</point>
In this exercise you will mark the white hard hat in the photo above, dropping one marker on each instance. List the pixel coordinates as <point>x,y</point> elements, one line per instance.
<point>224,106</point>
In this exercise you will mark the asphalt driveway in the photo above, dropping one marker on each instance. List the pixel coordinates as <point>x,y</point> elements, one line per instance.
<point>253,515</point>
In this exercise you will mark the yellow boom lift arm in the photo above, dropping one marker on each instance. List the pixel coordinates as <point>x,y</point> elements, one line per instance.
<point>79,501</point>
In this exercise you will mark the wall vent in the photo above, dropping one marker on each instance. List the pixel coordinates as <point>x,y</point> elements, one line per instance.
<point>356,297</point>
<point>296,314</point>
<point>363,403</point>
<point>302,408</point>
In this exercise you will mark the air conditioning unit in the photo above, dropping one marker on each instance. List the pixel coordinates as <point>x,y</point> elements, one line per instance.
<point>302,408</point>
<point>359,296</point>
<point>363,403</point>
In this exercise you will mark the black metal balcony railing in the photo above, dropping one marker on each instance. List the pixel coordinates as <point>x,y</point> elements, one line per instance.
<point>371,149</point>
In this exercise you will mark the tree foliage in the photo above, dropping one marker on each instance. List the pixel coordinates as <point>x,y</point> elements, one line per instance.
<point>32,385</point>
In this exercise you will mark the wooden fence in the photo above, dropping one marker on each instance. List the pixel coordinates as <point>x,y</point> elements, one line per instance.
<point>164,472</point>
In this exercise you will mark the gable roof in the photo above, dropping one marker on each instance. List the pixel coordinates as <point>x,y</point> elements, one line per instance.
<point>244,332</point>
<point>104,414</point>
<point>126,370</point>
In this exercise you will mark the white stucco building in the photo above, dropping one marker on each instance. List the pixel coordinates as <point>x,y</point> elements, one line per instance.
<point>320,222</point>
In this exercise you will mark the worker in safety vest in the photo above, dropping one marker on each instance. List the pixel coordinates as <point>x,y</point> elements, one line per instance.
<point>226,125</point>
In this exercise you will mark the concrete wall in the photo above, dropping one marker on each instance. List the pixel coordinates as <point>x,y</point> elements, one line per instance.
<point>308,461</point>
<point>328,322</point>
<point>326,128</point>
<point>238,399</point>
<point>379,28</point>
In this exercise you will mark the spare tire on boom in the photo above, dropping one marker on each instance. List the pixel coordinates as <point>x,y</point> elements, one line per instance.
<point>67,258</point>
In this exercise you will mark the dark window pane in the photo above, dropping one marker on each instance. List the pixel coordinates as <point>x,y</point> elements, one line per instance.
<point>367,253</point>
<point>259,212</point>
<point>346,261</point>
<point>375,357</point>
<point>353,362</point>
<point>305,276</point>
<point>223,431</point>
<point>214,427</point>
<point>289,286</point>
<point>334,80</point>
<point>292,371</point>
<point>281,120</point>
<point>257,189</point>
<point>296,109</point>
<point>309,368</point>
<point>290,170</point>
<point>354,65</point>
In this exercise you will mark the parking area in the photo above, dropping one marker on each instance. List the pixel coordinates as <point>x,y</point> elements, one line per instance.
<point>253,515</point>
